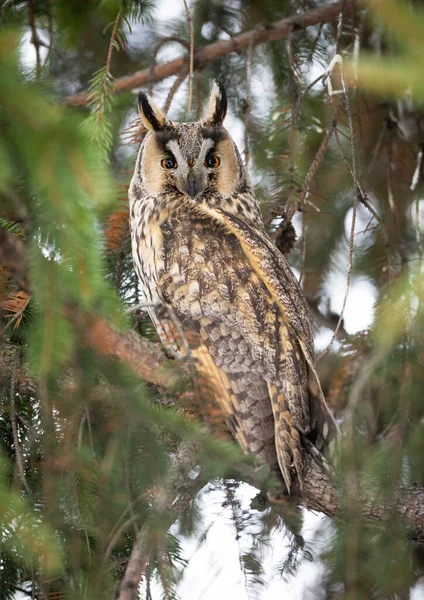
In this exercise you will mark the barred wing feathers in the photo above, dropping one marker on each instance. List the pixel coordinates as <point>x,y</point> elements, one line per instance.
<point>228,282</point>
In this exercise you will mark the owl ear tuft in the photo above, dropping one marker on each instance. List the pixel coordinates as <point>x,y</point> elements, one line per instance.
<point>151,116</point>
<point>216,108</point>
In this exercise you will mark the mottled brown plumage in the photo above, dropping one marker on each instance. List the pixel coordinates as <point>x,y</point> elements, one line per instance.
<point>200,246</point>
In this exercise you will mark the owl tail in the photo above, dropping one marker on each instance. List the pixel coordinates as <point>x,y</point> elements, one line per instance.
<point>287,438</point>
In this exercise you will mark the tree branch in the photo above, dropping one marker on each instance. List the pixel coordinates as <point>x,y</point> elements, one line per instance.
<point>144,357</point>
<point>319,494</point>
<point>169,502</point>
<point>276,31</point>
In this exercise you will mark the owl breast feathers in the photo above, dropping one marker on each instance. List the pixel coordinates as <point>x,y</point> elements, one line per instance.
<point>200,247</point>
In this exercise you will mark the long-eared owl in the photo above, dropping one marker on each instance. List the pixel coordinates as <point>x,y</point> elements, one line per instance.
<point>200,247</point>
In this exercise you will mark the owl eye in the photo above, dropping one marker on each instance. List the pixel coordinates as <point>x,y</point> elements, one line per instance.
<point>212,161</point>
<point>168,163</point>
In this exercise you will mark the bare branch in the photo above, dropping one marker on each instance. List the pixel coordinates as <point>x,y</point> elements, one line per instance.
<point>174,89</point>
<point>277,31</point>
<point>356,186</point>
<point>191,68</point>
<point>320,494</point>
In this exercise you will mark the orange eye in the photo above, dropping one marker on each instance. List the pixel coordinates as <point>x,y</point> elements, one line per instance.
<point>212,161</point>
<point>168,163</point>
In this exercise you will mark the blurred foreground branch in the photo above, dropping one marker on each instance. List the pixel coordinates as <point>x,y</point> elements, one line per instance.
<point>169,502</point>
<point>276,31</point>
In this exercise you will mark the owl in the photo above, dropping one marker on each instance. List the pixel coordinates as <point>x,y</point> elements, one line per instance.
<point>200,248</point>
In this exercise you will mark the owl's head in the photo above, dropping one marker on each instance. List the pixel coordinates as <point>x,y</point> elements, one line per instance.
<point>191,158</point>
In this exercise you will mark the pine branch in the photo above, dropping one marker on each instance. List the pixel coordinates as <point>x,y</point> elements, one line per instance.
<point>101,97</point>
<point>169,502</point>
<point>144,357</point>
<point>238,43</point>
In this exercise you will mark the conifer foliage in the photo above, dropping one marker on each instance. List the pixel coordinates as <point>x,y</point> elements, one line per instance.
<point>105,446</point>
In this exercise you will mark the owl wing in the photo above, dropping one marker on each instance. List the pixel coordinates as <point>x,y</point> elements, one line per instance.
<point>272,268</point>
<point>228,282</point>
<point>216,386</point>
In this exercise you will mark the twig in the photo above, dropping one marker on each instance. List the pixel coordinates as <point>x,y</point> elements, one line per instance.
<point>81,430</point>
<point>190,81</point>
<point>90,431</point>
<point>418,234</point>
<point>50,30</point>
<point>34,38</point>
<point>356,194</point>
<point>19,458</point>
<point>174,89</point>
<point>232,504</point>
<point>117,535</point>
<point>365,202</point>
<point>317,160</point>
<point>303,258</point>
<point>304,93</point>
<point>15,317</point>
<point>112,41</point>
<point>140,306</point>
<point>163,41</point>
<point>148,494</point>
<point>339,26</point>
<point>316,40</point>
<point>363,197</point>
<point>248,107</point>
<point>98,95</point>
<point>171,500</point>
<point>23,591</point>
<point>85,418</point>
<point>390,196</point>
<point>292,96</point>
<point>418,170</point>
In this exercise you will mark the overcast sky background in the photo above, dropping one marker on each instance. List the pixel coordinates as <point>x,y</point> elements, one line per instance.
<point>214,568</point>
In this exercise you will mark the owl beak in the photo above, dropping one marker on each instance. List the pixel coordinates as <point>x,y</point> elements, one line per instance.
<point>193,187</point>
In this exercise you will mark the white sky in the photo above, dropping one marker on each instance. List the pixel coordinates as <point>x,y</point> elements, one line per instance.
<point>214,570</point>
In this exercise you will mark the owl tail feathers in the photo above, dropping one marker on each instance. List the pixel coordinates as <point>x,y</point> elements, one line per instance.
<point>288,446</point>
<point>287,438</point>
